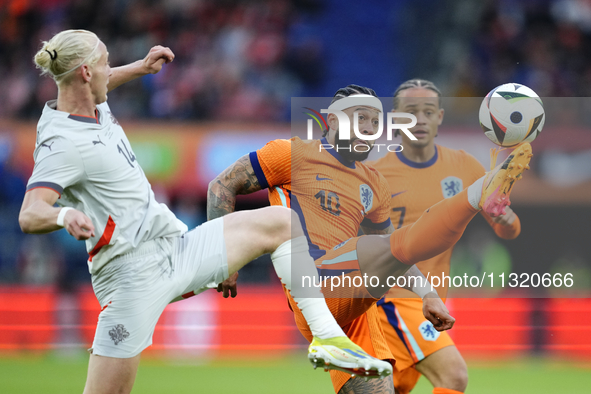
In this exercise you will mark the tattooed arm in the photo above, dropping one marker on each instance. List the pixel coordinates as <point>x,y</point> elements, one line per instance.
<point>239,178</point>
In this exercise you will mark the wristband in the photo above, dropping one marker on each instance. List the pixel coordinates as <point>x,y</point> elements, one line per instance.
<point>62,215</point>
<point>422,291</point>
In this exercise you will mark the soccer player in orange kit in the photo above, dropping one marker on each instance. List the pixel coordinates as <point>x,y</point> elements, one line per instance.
<point>334,195</point>
<point>419,176</point>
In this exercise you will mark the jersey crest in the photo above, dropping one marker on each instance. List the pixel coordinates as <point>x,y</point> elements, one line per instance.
<point>366,196</point>
<point>428,332</point>
<point>451,186</point>
<point>118,334</point>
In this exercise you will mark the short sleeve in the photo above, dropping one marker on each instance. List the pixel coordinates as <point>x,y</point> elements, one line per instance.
<point>379,217</point>
<point>58,165</point>
<point>272,163</point>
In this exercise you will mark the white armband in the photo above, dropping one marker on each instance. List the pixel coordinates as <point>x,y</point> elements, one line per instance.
<point>422,286</point>
<point>423,290</point>
<point>62,215</point>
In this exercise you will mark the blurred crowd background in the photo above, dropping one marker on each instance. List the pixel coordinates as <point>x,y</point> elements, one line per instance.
<point>242,61</point>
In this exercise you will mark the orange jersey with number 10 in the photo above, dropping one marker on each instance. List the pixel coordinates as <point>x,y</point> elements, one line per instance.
<point>332,197</point>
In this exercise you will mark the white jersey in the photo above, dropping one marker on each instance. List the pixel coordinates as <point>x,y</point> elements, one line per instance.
<point>90,163</point>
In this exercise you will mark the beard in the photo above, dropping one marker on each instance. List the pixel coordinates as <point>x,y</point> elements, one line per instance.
<point>345,149</point>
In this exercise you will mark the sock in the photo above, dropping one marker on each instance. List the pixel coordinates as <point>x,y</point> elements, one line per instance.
<point>439,390</point>
<point>438,229</point>
<point>313,306</point>
<point>475,192</point>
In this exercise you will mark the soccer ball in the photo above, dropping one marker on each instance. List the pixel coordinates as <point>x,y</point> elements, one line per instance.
<point>511,114</point>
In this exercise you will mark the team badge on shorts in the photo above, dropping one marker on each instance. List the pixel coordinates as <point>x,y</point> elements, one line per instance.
<point>366,196</point>
<point>428,332</point>
<point>118,334</point>
<point>451,186</point>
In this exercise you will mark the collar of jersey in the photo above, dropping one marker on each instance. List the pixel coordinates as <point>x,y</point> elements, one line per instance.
<point>336,155</point>
<point>86,119</point>
<point>414,164</point>
<point>52,105</point>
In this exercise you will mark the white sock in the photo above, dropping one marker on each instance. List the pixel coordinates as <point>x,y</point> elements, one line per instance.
<point>313,306</point>
<point>475,193</point>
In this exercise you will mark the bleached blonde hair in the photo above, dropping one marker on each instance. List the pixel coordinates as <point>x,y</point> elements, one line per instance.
<point>66,51</point>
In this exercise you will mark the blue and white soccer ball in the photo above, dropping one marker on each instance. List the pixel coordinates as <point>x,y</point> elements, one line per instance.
<point>511,114</point>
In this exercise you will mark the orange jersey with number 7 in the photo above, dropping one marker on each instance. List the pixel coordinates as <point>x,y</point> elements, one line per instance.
<point>414,187</point>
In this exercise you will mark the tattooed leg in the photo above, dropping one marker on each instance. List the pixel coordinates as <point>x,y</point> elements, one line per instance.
<point>374,386</point>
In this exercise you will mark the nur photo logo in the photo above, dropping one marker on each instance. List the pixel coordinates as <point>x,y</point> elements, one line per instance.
<point>393,120</point>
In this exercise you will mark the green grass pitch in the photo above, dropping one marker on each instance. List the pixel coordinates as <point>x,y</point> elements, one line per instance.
<point>50,374</point>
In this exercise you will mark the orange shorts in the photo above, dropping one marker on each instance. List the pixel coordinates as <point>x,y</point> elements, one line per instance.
<point>353,307</point>
<point>410,337</point>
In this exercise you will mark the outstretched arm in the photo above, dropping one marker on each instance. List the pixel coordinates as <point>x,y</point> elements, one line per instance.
<point>239,178</point>
<point>151,64</point>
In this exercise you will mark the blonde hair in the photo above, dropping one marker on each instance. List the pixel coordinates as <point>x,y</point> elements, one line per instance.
<point>66,51</point>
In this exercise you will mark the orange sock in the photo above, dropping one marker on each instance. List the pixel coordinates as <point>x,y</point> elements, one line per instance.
<point>438,229</point>
<point>439,390</point>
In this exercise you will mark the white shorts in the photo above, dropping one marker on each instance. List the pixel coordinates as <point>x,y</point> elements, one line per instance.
<point>133,289</point>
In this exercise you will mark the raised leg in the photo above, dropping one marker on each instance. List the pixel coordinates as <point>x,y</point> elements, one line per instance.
<point>276,230</point>
<point>437,230</point>
<point>250,234</point>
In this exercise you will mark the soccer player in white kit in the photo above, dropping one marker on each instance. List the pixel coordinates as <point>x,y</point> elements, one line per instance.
<point>141,257</point>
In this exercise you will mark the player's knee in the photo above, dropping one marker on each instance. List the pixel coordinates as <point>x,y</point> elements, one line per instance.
<point>445,368</point>
<point>277,226</point>
<point>461,378</point>
<point>456,378</point>
<point>295,225</point>
<point>375,259</point>
<point>404,387</point>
